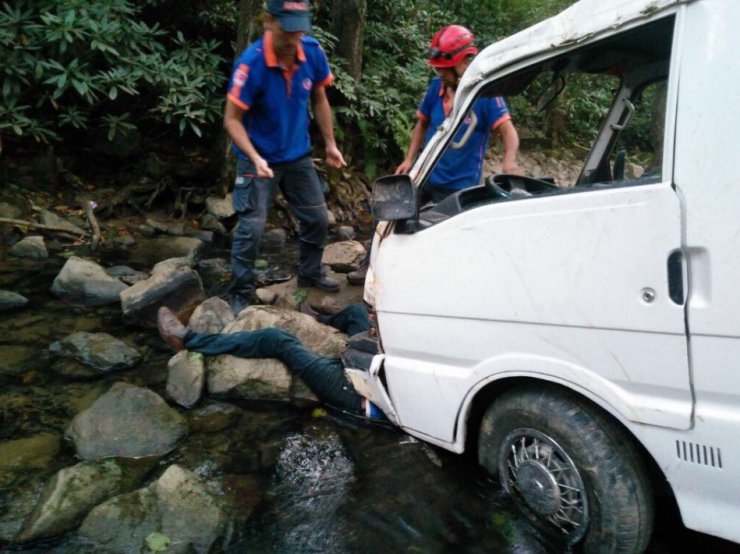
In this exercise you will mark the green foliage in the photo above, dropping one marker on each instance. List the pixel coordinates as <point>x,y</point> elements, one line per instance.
<point>96,64</point>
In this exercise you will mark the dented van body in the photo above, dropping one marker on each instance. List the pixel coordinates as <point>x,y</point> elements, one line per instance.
<point>555,329</point>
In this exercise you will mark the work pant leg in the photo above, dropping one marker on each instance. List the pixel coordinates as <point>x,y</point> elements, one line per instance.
<point>302,189</point>
<point>351,320</point>
<point>251,198</point>
<point>324,376</point>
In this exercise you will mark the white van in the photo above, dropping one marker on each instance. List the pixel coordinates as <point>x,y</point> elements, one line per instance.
<point>583,339</point>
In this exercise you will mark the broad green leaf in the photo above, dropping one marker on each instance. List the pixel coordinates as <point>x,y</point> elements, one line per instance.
<point>157,542</point>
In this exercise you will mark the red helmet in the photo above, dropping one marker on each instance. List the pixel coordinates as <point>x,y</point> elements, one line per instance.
<point>450,46</point>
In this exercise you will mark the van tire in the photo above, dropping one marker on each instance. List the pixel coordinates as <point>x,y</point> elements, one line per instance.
<point>563,443</point>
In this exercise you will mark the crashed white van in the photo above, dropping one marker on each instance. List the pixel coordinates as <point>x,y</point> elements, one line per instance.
<point>583,339</point>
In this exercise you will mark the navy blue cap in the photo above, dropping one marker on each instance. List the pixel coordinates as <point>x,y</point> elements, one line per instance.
<point>294,15</point>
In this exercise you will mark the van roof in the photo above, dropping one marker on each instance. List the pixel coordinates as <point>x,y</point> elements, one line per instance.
<point>579,22</point>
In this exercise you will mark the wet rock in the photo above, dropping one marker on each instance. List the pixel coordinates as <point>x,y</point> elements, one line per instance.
<point>346,232</point>
<point>172,264</point>
<point>53,220</point>
<point>344,257</point>
<point>15,359</point>
<point>214,417</point>
<point>127,421</point>
<point>10,211</point>
<point>126,274</point>
<point>32,248</point>
<point>11,300</point>
<point>185,378</point>
<point>210,222</point>
<point>76,490</point>
<point>168,227</point>
<point>85,282</point>
<point>266,296</point>
<point>216,274</point>
<point>31,452</point>
<point>18,502</point>
<point>249,379</point>
<point>204,236</point>
<point>221,208</point>
<point>317,337</point>
<point>211,316</point>
<point>633,171</point>
<point>149,251</point>
<point>181,290</point>
<point>178,506</point>
<point>99,351</point>
<point>274,239</point>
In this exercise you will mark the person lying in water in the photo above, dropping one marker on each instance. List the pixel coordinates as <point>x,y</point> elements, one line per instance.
<point>323,375</point>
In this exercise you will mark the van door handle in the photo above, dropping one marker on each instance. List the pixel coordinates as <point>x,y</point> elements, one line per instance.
<point>675,277</point>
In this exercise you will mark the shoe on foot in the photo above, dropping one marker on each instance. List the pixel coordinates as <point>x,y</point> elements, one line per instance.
<point>172,330</point>
<point>238,302</point>
<point>323,283</point>
<point>305,308</point>
<point>357,277</point>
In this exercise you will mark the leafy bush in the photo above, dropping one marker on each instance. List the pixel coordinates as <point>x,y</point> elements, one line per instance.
<point>95,64</point>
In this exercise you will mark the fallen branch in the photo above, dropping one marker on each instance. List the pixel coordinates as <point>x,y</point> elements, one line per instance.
<point>50,228</point>
<point>92,220</point>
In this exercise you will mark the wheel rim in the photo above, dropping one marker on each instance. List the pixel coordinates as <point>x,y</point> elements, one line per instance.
<point>543,480</point>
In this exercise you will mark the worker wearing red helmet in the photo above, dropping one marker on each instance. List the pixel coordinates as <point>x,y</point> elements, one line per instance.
<point>452,50</point>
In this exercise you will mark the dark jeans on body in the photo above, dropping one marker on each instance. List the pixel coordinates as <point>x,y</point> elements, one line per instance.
<point>252,198</point>
<point>324,376</point>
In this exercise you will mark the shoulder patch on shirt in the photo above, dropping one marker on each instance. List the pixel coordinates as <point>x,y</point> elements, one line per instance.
<point>241,75</point>
<point>307,83</point>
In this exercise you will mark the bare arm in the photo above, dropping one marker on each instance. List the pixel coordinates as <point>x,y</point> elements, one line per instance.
<point>510,138</point>
<point>235,128</point>
<point>322,113</point>
<point>417,139</point>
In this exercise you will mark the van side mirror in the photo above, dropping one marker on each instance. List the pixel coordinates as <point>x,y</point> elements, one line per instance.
<point>393,198</point>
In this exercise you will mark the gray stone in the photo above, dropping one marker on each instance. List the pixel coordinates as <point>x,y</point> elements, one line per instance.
<point>346,232</point>
<point>221,208</point>
<point>250,379</point>
<point>9,211</point>
<point>172,264</point>
<point>126,274</point>
<point>11,300</point>
<point>211,316</point>
<point>53,220</point>
<point>344,256</point>
<point>86,282</point>
<point>266,296</point>
<point>76,490</point>
<point>149,251</point>
<point>185,378</point>
<point>33,248</point>
<point>181,290</point>
<point>178,505</point>
<point>99,351</point>
<point>216,274</point>
<point>210,222</point>
<point>31,452</point>
<point>127,421</point>
<point>214,417</point>
<point>168,227</point>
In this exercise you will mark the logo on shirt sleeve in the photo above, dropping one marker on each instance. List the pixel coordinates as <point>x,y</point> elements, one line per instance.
<point>307,83</point>
<point>240,75</point>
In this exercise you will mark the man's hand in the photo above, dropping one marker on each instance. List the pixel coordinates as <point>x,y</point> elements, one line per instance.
<point>404,168</point>
<point>263,169</point>
<point>334,157</point>
<point>512,168</point>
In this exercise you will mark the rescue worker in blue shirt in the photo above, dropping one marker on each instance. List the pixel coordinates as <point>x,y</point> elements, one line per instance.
<point>451,52</point>
<point>267,118</point>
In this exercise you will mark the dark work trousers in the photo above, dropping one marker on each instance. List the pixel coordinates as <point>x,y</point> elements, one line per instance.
<point>324,376</point>
<point>252,198</point>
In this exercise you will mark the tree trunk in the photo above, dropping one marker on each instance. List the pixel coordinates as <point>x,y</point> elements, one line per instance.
<point>348,20</point>
<point>250,23</point>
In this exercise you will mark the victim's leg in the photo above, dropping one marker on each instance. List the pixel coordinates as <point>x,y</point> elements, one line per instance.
<point>324,376</point>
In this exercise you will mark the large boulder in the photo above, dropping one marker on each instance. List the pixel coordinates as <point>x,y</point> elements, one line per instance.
<point>178,509</point>
<point>85,282</point>
<point>127,421</point>
<point>220,208</point>
<point>344,257</point>
<point>181,290</point>
<point>185,378</point>
<point>76,490</point>
<point>211,316</point>
<point>99,351</point>
<point>32,248</point>
<point>11,300</point>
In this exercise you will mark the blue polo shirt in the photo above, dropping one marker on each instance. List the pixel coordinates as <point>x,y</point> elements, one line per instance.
<point>276,99</point>
<point>460,168</point>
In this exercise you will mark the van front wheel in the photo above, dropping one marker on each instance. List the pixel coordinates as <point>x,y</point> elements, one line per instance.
<point>573,472</point>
